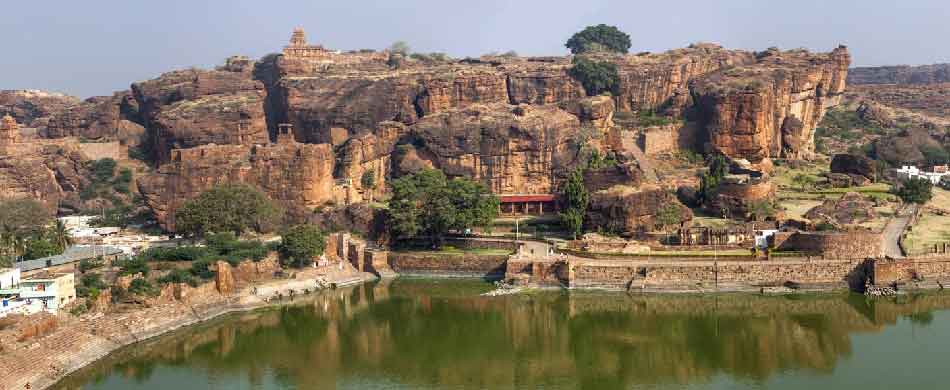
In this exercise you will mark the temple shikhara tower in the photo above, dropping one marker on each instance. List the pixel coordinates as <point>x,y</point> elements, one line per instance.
<point>299,48</point>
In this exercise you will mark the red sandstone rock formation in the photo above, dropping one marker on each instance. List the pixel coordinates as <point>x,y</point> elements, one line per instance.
<point>298,175</point>
<point>101,118</point>
<point>630,210</point>
<point>189,108</point>
<point>33,108</point>
<point>53,174</point>
<point>771,108</point>
<point>512,149</point>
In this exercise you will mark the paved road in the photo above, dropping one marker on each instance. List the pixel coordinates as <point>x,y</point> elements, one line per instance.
<point>895,228</point>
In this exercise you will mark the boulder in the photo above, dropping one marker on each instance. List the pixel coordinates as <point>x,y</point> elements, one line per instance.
<point>628,210</point>
<point>852,208</point>
<point>223,278</point>
<point>850,164</point>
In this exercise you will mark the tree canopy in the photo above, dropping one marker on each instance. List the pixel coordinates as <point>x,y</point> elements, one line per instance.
<point>300,244</point>
<point>915,191</point>
<point>233,208</point>
<point>597,77</point>
<point>599,38</point>
<point>576,199</point>
<point>25,231</point>
<point>427,204</point>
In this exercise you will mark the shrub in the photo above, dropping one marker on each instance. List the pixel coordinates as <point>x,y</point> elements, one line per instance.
<point>89,264</point>
<point>179,276</point>
<point>140,286</point>
<point>133,266</point>
<point>202,269</point>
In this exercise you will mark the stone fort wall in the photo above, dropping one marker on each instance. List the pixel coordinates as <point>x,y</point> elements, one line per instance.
<point>724,275</point>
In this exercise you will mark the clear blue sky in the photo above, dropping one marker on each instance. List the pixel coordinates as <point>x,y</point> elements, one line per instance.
<point>94,47</point>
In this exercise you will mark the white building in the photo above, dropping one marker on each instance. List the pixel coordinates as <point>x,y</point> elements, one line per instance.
<point>762,237</point>
<point>49,291</point>
<point>911,172</point>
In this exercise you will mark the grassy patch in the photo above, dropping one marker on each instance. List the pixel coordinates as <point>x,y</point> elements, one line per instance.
<point>932,228</point>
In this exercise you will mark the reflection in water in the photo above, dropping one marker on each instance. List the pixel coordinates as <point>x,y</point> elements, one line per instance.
<point>440,334</point>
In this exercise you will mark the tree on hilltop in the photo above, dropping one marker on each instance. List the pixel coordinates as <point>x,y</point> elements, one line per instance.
<point>233,208</point>
<point>599,38</point>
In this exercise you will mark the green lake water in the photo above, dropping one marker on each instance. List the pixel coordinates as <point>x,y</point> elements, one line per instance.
<point>440,334</point>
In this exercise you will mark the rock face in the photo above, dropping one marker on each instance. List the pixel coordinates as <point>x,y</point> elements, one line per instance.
<point>223,278</point>
<point>926,74</point>
<point>101,118</point>
<point>184,109</point>
<point>770,108</point>
<point>854,165</point>
<point>298,175</point>
<point>52,173</point>
<point>660,82</point>
<point>512,149</point>
<point>31,108</point>
<point>628,210</point>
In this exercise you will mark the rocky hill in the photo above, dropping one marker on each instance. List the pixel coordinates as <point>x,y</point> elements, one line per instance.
<point>903,74</point>
<point>305,125</point>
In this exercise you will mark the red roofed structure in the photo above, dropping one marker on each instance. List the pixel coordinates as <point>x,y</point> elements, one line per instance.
<point>532,204</point>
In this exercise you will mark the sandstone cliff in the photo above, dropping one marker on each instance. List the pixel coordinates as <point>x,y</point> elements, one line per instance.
<point>298,175</point>
<point>770,108</point>
<point>32,108</point>
<point>189,108</point>
<point>51,173</point>
<point>101,118</point>
<point>512,149</point>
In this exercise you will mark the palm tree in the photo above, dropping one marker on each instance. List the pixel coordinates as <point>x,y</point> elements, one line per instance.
<point>61,235</point>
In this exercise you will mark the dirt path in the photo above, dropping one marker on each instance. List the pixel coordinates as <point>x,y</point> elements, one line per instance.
<point>895,228</point>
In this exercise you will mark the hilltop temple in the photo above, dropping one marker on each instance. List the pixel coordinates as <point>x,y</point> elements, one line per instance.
<point>299,48</point>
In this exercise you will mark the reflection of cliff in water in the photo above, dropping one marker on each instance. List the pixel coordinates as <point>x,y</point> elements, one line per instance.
<point>420,333</point>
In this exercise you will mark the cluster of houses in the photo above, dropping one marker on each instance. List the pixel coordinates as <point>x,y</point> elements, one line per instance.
<point>939,176</point>
<point>36,285</point>
<point>42,291</point>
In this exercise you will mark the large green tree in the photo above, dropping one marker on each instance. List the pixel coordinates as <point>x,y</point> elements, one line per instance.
<point>22,221</point>
<point>915,191</point>
<point>575,201</point>
<point>597,77</point>
<point>599,38</point>
<point>427,204</point>
<point>300,244</point>
<point>234,208</point>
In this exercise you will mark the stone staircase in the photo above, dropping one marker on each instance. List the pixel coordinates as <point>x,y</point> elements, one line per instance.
<point>631,149</point>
